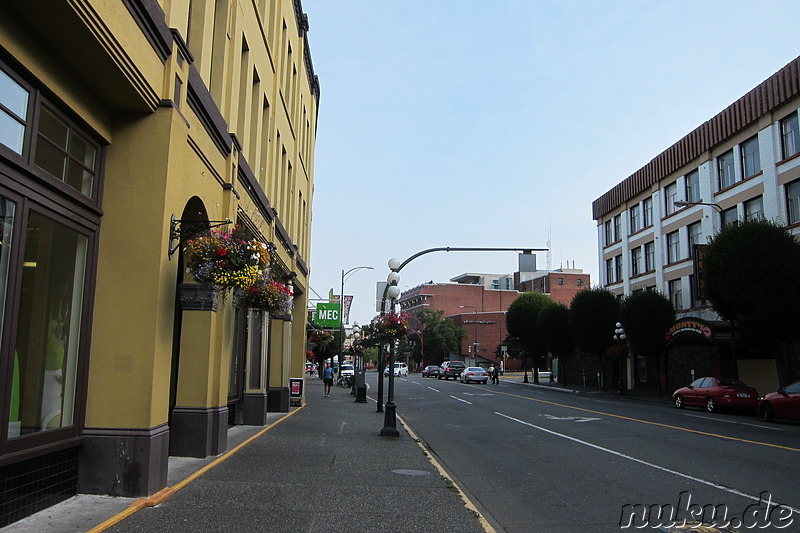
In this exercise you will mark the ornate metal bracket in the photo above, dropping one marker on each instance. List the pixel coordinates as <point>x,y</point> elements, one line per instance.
<point>182,229</point>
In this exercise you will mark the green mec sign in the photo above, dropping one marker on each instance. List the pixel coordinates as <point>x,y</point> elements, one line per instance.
<point>327,315</point>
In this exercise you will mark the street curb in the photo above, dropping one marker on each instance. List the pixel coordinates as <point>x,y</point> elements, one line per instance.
<point>165,493</point>
<point>467,502</point>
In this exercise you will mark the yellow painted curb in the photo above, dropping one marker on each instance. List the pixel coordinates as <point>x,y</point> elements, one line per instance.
<point>165,493</point>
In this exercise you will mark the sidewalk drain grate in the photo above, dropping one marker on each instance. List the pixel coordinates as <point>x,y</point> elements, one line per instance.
<point>411,472</point>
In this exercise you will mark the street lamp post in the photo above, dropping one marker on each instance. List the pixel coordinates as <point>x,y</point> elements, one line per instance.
<point>475,342</point>
<point>622,338</point>
<point>341,314</point>
<point>392,291</point>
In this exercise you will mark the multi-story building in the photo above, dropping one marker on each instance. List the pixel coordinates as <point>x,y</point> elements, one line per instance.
<point>743,163</point>
<point>126,127</point>
<point>561,285</point>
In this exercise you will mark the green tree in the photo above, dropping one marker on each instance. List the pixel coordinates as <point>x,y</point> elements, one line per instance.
<point>439,335</point>
<point>645,316</point>
<point>751,276</point>
<point>521,322</point>
<point>593,319</point>
<point>555,331</point>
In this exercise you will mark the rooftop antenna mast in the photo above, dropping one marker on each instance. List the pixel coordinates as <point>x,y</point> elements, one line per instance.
<point>549,235</point>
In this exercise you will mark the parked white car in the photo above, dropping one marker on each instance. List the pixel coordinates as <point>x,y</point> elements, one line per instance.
<point>400,369</point>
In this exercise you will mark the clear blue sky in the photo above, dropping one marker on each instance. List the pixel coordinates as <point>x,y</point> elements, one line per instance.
<point>488,124</point>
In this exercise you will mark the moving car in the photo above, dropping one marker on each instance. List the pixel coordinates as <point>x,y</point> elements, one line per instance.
<point>451,369</point>
<point>430,370</point>
<point>474,373</point>
<point>714,393</point>
<point>784,403</point>
<point>348,370</point>
<point>400,369</point>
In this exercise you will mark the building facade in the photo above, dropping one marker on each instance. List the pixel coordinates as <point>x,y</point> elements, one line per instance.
<point>561,285</point>
<point>125,129</point>
<point>743,163</point>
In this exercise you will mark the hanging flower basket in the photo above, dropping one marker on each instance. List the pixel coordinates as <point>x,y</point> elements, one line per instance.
<point>391,326</point>
<point>225,259</point>
<point>267,295</point>
<point>320,337</point>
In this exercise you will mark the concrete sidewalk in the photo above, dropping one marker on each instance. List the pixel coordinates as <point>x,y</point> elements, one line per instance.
<point>323,467</point>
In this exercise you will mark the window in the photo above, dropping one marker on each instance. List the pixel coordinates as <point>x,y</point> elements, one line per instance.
<point>726,176</point>
<point>790,136</point>
<point>609,271</point>
<point>560,281</point>
<point>673,247</point>
<point>751,160</point>
<point>13,113</point>
<point>675,293</point>
<point>754,209</point>
<point>635,218</point>
<point>693,186</point>
<point>649,256</point>
<point>793,201</point>
<point>729,216</point>
<point>64,153</point>
<point>617,228</point>
<point>495,284</point>
<point>670,197</point>
<point>618,268</point>
<point>609,233</point>
<point>580,282</point>
<point>636,261</point>
<point>647,207</point>
<point>51,305</point>
<point>694,231</point>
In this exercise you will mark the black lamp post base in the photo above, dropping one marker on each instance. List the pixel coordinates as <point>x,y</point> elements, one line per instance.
<point>390,422</point>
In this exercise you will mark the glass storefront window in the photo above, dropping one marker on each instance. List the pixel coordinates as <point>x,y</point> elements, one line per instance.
<point>49,323</point>
<point>7,211</point>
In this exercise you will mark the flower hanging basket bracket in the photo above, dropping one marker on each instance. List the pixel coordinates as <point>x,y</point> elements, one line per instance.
<point>194,226</point>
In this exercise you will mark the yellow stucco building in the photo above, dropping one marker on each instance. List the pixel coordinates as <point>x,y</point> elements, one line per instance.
<point>127,127</point>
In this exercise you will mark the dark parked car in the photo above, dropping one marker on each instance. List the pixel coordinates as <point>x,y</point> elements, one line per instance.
<point>451,369</point>
<point>785,403</point>
<point>430,371</point>
<point>713,393</point>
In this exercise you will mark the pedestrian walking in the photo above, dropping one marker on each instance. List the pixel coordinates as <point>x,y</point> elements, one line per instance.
<point>495,374</point>
<point>327,379</point>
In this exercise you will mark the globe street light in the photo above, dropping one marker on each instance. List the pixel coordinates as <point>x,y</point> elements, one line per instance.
<point>622,338</point>
<point>390,418</point>
<point>341,313</point>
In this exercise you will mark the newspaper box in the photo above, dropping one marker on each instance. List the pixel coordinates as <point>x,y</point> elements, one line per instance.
<point>296,386</point>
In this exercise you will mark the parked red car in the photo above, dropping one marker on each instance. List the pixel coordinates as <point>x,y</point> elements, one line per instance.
<point>785,403</point>
<point>713,393</point>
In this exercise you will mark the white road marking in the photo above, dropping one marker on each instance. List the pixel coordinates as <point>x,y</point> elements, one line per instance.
<point>642,462</point>
<point>434,390</point>
<point>460,400</point>
<point>733,422</point>
<point>573,418</point>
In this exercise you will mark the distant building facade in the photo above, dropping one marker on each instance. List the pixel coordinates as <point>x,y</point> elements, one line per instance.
<point>561,285</point>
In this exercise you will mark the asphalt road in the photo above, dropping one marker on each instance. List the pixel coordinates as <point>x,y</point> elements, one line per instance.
<point>534,459</point>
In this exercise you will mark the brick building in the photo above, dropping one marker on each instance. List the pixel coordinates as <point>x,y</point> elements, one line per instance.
<point>562,284</point>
